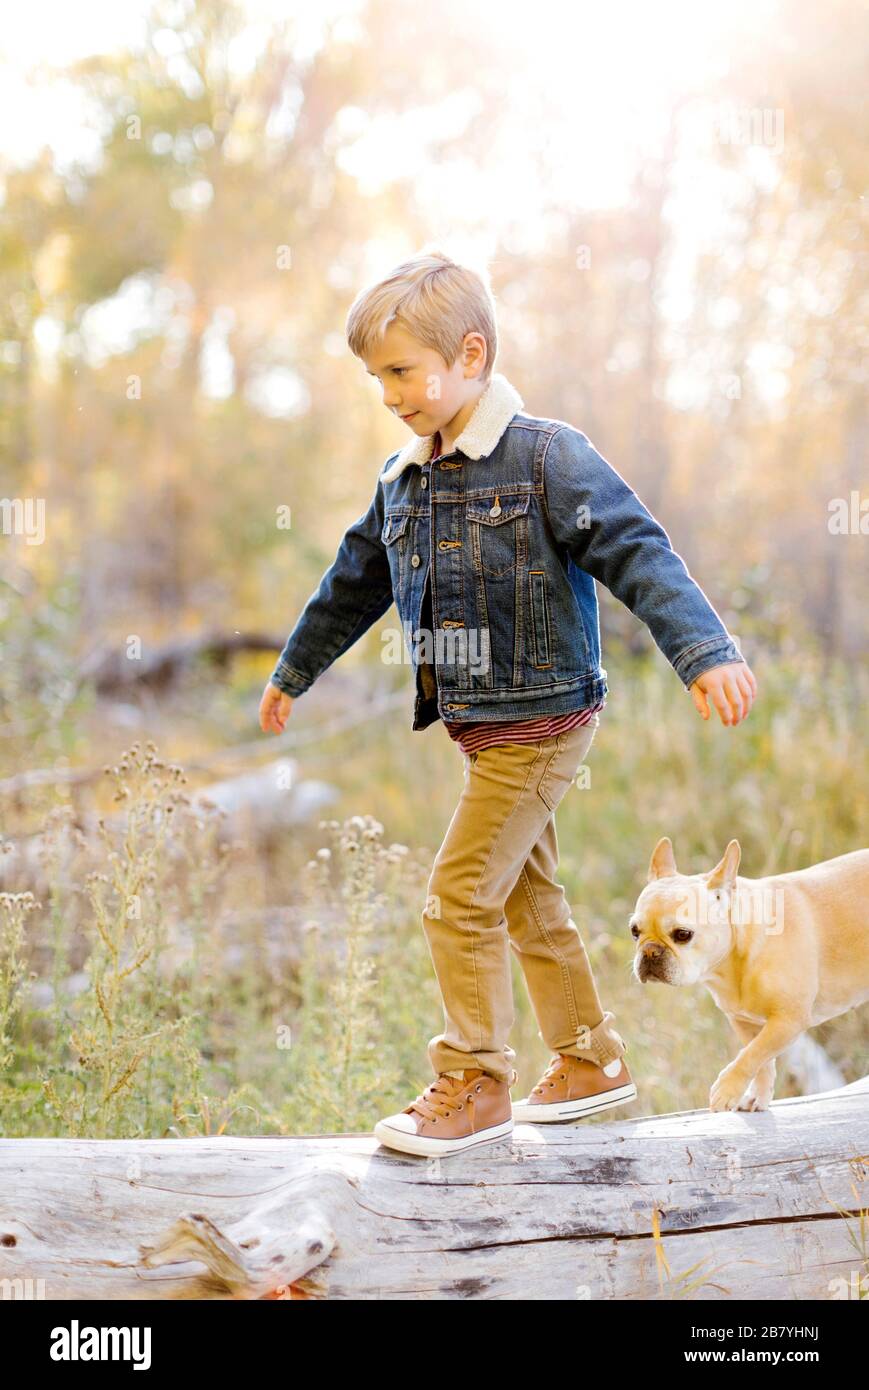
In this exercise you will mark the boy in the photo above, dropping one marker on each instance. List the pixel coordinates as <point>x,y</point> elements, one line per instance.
<point>488,531</point>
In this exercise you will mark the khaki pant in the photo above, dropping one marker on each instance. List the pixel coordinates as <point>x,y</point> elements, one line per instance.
<point>493,886</point>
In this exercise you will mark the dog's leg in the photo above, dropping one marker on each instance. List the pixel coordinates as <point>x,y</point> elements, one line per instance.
<point>773,1038</point>
<point>760,1090</point>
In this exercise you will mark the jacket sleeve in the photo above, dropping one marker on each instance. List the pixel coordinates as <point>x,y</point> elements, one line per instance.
<point>608,532</point>
<point>354,592</point>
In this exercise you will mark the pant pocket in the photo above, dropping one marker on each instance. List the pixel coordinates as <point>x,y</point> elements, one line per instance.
<point>562,765</point>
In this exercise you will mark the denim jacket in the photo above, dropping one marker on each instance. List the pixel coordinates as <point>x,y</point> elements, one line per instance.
<point>510,529</point>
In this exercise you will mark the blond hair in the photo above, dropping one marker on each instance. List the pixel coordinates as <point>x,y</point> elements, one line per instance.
<point>435,299</point>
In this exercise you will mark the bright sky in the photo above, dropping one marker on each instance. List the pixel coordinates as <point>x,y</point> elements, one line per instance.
<point>600,75</point>
<point>37,107</point>
<point>598,78</point>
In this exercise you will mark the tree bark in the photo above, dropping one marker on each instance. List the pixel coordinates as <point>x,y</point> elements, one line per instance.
<point>765,1205</point>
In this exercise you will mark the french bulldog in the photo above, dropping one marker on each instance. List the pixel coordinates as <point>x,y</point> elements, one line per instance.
<point>778,954</point>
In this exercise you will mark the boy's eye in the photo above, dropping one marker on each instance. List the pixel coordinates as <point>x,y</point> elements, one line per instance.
<point>398,370</point>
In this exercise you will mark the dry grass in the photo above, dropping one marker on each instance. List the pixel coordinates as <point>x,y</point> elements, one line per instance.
<point>139,999</point>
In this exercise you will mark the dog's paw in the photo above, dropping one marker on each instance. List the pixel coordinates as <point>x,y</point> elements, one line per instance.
<point>756,1098</point>
<point>750,1102</point>
<point>726,1092</point>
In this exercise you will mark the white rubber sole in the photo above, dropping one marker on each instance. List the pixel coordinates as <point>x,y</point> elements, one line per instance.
<point>430,1147</point>
<point>534,1113</point>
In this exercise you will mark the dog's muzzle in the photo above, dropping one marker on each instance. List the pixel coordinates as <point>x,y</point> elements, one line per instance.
<point>653,963</point>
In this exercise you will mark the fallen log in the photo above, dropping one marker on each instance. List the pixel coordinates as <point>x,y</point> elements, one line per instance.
<point>373,711</point>
<point>812,1070</point>
<point>255,805</point>
<point>112,671</point>
<point>735,1205</point>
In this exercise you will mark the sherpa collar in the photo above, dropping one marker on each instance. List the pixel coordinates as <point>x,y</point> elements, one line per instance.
<point>492,414</point>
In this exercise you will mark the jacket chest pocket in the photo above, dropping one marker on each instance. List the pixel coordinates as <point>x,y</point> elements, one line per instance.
<point>394,527</point>
<point>394,537</point>
<point>498,530</point>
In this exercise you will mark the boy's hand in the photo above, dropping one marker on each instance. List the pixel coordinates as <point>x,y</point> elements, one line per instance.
<point>274,710</point>
<point>731,689</point>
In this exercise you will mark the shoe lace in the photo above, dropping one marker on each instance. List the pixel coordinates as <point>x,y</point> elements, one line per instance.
<point>556,1066</point>
<point>445,1095</point>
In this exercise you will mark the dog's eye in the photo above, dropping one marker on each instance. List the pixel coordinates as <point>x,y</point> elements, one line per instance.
<point>635,931</point>
<point>681,935</point>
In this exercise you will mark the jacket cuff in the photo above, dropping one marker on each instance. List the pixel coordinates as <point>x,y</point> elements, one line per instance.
<point>290,681</point>
<point>717,651</point>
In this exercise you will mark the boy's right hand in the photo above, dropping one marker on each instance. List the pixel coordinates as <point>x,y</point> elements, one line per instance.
<point>274,710</point>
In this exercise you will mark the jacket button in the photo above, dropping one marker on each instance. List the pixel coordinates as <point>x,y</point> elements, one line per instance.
<point>388,528</point>
<point>496,510</point>
<point>414,560</point>
<point>424,482</point>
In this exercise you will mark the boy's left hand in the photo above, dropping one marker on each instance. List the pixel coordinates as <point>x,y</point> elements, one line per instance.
<point>731,689</point>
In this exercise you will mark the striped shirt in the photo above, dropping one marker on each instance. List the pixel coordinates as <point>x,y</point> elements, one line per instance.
<point>474,735</point>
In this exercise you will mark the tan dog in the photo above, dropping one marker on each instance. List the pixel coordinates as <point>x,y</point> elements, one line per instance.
<point>778,954</point>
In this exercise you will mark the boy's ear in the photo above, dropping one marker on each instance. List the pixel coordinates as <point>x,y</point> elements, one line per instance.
<point>662,863</point>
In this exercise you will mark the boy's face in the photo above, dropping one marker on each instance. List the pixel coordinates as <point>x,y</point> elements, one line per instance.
<point>420,388</point>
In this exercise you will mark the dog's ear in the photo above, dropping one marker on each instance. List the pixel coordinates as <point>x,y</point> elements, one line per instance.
<point>662,863</point>
<point>724,873</point>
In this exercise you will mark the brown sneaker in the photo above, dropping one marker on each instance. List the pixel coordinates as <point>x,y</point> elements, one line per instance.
<point>572,1087</point>
<point>453,1113</point>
